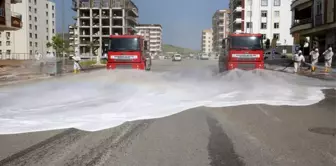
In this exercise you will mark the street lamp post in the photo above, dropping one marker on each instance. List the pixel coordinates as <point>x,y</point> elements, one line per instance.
<point>63,11</point>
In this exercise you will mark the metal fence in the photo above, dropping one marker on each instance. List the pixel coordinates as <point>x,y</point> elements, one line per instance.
<point>16,56</point>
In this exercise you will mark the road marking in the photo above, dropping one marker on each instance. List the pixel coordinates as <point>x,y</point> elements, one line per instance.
<point>266,113</point>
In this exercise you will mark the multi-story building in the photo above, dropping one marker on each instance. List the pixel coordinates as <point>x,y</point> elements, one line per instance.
<point>314,20</point>
<point>207,41</point>
<point>268,17</point>
<point>96,20</point>
<point>153,34</point>
<point>38,28</point>
<point>220,27</point>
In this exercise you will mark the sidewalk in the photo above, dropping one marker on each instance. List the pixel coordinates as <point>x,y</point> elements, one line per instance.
<point>16,78</point>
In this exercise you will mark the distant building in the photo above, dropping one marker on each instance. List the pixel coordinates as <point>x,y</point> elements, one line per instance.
<point>153,34</point>
<point>207,41</point>
<point>270,18</point>
<point>96,20</point>
<point>38,28</point>
<point>220,27</point>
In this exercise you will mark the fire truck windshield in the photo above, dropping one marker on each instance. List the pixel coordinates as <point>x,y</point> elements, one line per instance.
<point>124,44</point>
<point>246,42</point>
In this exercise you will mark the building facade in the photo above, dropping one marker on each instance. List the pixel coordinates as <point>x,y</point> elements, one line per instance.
<point>220,27</point>
<point>38,28</point>
<point>96,20</point>
<point>314,21</point>
<point>268,17</point>
<point>207,41</point>
<point>153,34</point>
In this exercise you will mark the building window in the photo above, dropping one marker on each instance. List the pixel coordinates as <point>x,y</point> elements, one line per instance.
<point>263,36</point>
<point>47,6</point>
<point>264,2</point>
<point>249,25</point>
<point>276,25</point>
<point>276,13</point>
<point>30,26</point>
<point>34,2</point>
<point>30,17</point>
<point>276,36</point>
<point>53,22</point>
<point>47,22</point>
<point>263,25</point>
<point>264,13</point>
<point>47,13</point>
<point>31,52</point>
<point>249,2</point>
<point>47,30</point>
<point>47,37</point>
<point>0,43</point>
<point>318,8</point>
<point>277,2</point>
<point>30,44</point>
<point>8,35</point>
<point>35,44</point>
<point>35,19</point>
<point>30,35</point>
<point>35,36</point>
<point>53,7</point>
<point>53,15</point>
<point>53,31</point>
<point>30,8</point>
<point>8,51</point>
<point>35,10</point>
<point>35,27</point>
<point>7,43</point>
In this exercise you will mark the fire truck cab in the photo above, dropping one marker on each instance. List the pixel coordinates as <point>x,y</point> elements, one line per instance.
<point>243,51</point>
<point>128,52</point>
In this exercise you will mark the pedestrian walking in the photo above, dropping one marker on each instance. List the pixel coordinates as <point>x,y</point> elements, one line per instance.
<point>314,58</point>
<point>328,55</point>
<point>298,59</point>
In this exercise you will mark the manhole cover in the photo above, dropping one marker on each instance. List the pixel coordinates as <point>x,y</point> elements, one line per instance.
<point>323,130</point>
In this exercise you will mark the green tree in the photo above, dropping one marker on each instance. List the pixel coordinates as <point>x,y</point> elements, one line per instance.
<point>57,44</point>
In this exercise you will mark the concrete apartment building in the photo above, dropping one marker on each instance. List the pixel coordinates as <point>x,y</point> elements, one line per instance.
<point>38,28</point>
<point>268,17</point>
<point>153,34</point>
<point>220,27</point>
<point>207,41</point>
<point>314,20</point>
<point>96,20</point>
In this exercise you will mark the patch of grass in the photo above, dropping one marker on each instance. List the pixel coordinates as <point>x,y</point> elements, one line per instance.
<point>88,63</point>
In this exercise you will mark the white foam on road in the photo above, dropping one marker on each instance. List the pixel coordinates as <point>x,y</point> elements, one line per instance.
<point>104,99</point>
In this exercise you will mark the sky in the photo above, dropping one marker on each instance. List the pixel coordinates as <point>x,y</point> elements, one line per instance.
<point>182,20</point>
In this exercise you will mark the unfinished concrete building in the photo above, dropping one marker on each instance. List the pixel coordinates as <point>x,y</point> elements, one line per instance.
<point>97,19</point>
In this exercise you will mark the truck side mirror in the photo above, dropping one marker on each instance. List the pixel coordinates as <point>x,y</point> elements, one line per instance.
<point>146,45</point>
<point>223,43</point>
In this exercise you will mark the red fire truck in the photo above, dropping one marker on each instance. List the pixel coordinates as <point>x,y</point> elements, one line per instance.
<point>243,51</point>
<point>128,52</point>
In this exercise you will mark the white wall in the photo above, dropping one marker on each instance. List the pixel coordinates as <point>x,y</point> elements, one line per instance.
<point>284,20</point>
<point>150,33</point>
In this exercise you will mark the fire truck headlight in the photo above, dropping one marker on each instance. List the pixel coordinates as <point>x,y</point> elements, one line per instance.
<point>258,56</point>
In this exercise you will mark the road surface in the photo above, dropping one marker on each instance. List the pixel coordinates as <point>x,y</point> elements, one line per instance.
<point>254,134</point>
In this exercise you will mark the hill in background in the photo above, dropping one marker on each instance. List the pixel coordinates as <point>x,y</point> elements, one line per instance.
<point>181,50</point>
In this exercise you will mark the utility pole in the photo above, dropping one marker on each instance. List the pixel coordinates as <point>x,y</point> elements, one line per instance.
<point>63,11</point>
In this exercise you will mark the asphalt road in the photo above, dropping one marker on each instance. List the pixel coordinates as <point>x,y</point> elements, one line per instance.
<point>257,135</point>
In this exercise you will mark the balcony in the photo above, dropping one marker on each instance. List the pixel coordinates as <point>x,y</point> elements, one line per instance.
<point>11,22</point>
<point>238,21</point>
<point>302,24</point>
<point>301,4</point>
<point>238,9</point>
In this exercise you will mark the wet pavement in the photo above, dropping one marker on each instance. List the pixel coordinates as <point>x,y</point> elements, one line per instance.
<point>256,134</point>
